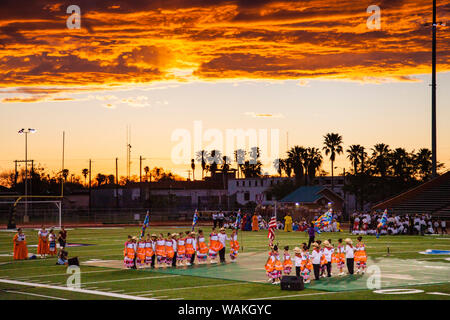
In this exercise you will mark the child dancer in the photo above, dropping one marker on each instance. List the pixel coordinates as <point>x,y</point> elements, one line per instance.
<point>181,250</point>
<point>128,253</point>
<point>190,249</point>
<point>278,266</point>
<point>360,256</point>
<point>306,265</point>
<point>339,257</point>
<point>149,250</point>
<point>234,246</point>
<point>141,253</point>
<point>328,252</point>
<point>298,261</point>
<point>169,250</point>
<point>52,243</point>
<point>349,255</point>
<point>316,259</point>
<point>323,260</point>
<point>202,249</point>
<point>273,266</point>
<point>287,262</point>
<point>214,246</point>
<point>43,242</point>
<point>160,250</point>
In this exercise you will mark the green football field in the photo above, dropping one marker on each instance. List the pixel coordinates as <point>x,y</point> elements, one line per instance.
<point>418,276</point>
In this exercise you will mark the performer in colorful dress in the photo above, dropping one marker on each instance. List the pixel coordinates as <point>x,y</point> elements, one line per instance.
<point>170,252</point>
<point>328,251</point>
<point>149,250</point>
<point>129,253</point>
<point>190,247</point>
<point>316,257</point>
<point>20,246</point>
<point>52,243</point>
<point>160,250</point>
<point>287,262</point>
<point>202,248</point>
<point>214,246</point>
<point>306,265</point>
<point>360,256</point>
<point>181,250</point>
<point>339,257</point>
<point>234,245</point>
<point>141,253</point>
<point>273,266</point>
<point>42,248</point>
<point>255,225</point>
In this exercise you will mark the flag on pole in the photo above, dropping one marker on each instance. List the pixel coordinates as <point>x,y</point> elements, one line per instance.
<point>272,227</point>
<point>238,220</point>
<point>145,224</point>
<point>194,219</point>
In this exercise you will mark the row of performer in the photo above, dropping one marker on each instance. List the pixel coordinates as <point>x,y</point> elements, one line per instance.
<point>319,261</point>
<point>179,249</point>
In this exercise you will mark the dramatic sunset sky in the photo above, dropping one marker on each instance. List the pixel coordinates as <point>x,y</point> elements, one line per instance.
<point>306,67</point>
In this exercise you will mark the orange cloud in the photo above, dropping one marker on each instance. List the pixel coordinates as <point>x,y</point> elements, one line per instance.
<point>132,42</point>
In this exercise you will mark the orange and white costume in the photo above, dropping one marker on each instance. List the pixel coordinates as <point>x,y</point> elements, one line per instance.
<point>190,249</point>
<point>170,252</point>
<point>181,250</point>
<point>214,245</point>
<point>141,253</point>
<point>129,254</point>
<point>42,248</point>
<point>234,246</point>
<point>52,244</point>
<point>160,249</point>
<point>287,263</point>
<point>202,250</point>
<point>360,257</point>
<point>149,252</point>
<point>20,247</point>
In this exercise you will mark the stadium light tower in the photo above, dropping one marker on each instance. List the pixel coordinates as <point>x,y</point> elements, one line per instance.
<point>433,95</point>
<point>26,132</point>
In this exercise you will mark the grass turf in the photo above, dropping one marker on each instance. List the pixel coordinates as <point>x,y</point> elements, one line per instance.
<point>108,245</point>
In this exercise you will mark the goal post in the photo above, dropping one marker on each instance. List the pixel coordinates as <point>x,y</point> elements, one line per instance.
<point>41,212</point>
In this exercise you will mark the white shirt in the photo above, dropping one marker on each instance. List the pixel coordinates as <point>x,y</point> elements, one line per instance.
<point>214,216</point>
<point>174,244</point>
<point>328,252</point>
<point>223,238</point>
<point>297,261</point>
<point>349,252</point>
<point>315,257</point>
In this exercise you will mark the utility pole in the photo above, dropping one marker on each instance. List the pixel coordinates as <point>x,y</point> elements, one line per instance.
<point>140,168</point>
<point>117,171</point>
<point>90,171</point>
<point>433,96</point>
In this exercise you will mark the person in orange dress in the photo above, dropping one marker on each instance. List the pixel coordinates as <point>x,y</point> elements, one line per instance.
<point>255,226</point>
<point>287,262</point>
<point>43,247</point>
<point>234,245</point>
<point>20,246</point>
<point>202,248</point>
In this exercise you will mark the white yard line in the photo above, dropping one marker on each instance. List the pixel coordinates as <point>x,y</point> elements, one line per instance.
<point>183,288</point>
<point>130,279</point>
<point>439,293</point>
<point>295,295</point>
<point>65,274</point>
<point>36,295</point>
<point>95,292</point>
<point>160,297</point>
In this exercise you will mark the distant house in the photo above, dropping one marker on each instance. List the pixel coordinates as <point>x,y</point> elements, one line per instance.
<point>314,198</point>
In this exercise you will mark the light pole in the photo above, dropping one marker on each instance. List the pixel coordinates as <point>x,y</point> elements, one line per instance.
<point>26,132</point>
<point>433,95</point>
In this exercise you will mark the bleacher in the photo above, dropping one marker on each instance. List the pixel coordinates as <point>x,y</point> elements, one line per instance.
<point>432,197</point>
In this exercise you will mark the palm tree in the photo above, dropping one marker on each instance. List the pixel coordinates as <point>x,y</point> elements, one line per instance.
<point>380,159</point>
<point>101,178</point>
<point>422,161</point>
<point>354,152</point>
<point>147,170</point>
<point>332,146</point>
<point>201,157</point>
<point>401,163</point>
<point>214,159</point>
<point>314,162</point>
<point>85,173</point>
<point>110,179</point>
<point>239,158</point>
<point>279,165</point>
<point>297,156</point>
<point>251,170</point>
<point>65,174</point>
<point>193,169</point>
<point>288,166</point>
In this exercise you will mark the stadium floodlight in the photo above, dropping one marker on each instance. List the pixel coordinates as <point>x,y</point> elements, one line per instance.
<point>26,132</point>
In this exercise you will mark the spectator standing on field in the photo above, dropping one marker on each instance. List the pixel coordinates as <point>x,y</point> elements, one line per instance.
<point>214,217</point>
<point>223,237</point>
<point>312,234</point>
<point>443,227</point>
<point>62,237</point>
<point>220,217</point>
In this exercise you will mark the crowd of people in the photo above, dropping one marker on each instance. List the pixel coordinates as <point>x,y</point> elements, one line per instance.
<point>319,261</point>
<point>366,223</point>
<point>179,249</point>
<point>47,245</point>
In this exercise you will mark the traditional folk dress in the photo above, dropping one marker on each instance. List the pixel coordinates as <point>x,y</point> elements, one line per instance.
<point>43,242</point>
<point>214,245</point>
<point>170,253</point>
<point>234,246</point>
<point>160,251</point>
<point>306,267</point>
<point>202,249</point>
<point>129,254</point>
<point>339,257</point>
<point>181,250</point>
<point>20,247</point>
<point>52,244</point>
<point>149,251</point>
<point>360,257</point>
<point>255,226</point>
<point>140,254</point>
<point>273,266</point>
<point>323,261</point>
<point>287,263</point>
<point>190,249</point>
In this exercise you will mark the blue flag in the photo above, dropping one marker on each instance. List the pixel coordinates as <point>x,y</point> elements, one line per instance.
<point>194,219</point>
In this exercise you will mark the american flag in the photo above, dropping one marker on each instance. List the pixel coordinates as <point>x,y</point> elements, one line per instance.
<point>272,227</point>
